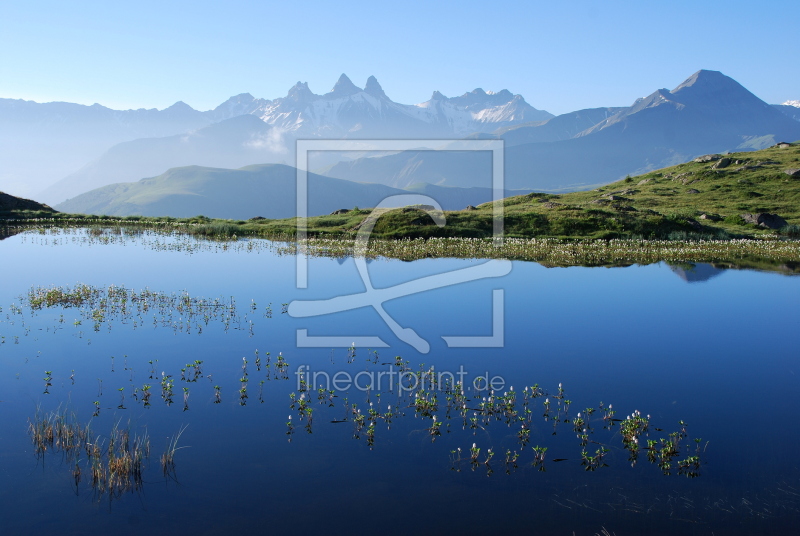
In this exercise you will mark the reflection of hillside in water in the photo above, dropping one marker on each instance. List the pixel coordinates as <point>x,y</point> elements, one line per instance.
<point>342,260</point>
<point>697,272</point>
<point>6,232</point>
<point>694,273</point>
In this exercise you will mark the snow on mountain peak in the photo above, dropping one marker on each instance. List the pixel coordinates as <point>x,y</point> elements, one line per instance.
<point>795,103</point>
<point>348,109</point>
<point>300,92</point>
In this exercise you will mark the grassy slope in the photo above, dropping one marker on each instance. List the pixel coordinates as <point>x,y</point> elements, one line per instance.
<point>654,205</point>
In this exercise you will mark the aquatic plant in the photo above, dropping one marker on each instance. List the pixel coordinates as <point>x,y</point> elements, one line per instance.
<point>116,465</point>
<point>104,305</point>
<point>484,407</point>
<point>168,457</point>
<point>48,381</point>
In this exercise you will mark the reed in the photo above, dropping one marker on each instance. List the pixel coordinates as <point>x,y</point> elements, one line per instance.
<point>116,465</point>
<point>168,457</point>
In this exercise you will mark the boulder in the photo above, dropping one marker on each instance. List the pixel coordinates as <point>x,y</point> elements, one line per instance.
<point>706,158</point>
<point>470,207</point>
<point>623,208</point>
<point>710,217</point>
<point>763,219</point>
<point>782,145</point>
<point>795,173</point>
<point>692,191</point>
<point>644,181</point>
<point>340,211</point>
<point>694,224</point>
<point>722,163</point>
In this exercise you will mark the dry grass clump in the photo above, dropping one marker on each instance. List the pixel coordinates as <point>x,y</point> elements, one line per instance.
<point>116,465</point>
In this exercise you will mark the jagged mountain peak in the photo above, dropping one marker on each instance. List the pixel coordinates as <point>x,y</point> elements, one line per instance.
<point>480,99</point>
<point>344,87</point>
<point>795,103</point>
<point>374,88</point>
<point>300,92</point>
<point>438,96</point>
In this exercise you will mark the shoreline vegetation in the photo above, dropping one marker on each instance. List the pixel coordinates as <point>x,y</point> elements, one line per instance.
<point>734,210</point>
<point>769,253</point>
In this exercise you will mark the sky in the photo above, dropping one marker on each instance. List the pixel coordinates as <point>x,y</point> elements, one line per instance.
<point>560,56</point>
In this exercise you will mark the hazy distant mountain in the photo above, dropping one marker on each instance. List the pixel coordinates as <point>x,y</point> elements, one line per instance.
<point>401,170</point>
<point>790,108</point>
<point>709,112</point>
<point>267,190</point>
<point>41,143</point>
<point>345,112</point>
<point>232,143</point>
<point>559,128</point>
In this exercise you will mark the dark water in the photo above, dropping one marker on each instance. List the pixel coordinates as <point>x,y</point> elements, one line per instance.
<point>717,349</point>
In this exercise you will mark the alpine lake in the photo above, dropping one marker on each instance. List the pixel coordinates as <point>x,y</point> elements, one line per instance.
<point>162,384</point>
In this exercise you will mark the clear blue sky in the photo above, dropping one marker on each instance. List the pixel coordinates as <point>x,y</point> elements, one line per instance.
<point>559,56</point>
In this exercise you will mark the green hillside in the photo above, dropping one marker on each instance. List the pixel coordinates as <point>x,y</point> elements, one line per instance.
<point>701,199</point>
<point>260,190</point>
<point>267,190</point>
<point>16,207</point>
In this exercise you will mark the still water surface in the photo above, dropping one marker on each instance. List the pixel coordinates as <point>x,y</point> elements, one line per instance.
<point>717,349</point>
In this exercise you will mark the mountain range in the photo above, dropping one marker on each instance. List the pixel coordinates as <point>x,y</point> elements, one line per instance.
<point>348,111</point>
<point>707,113</point>
<point>64,150</point>
<point>42,144</point>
